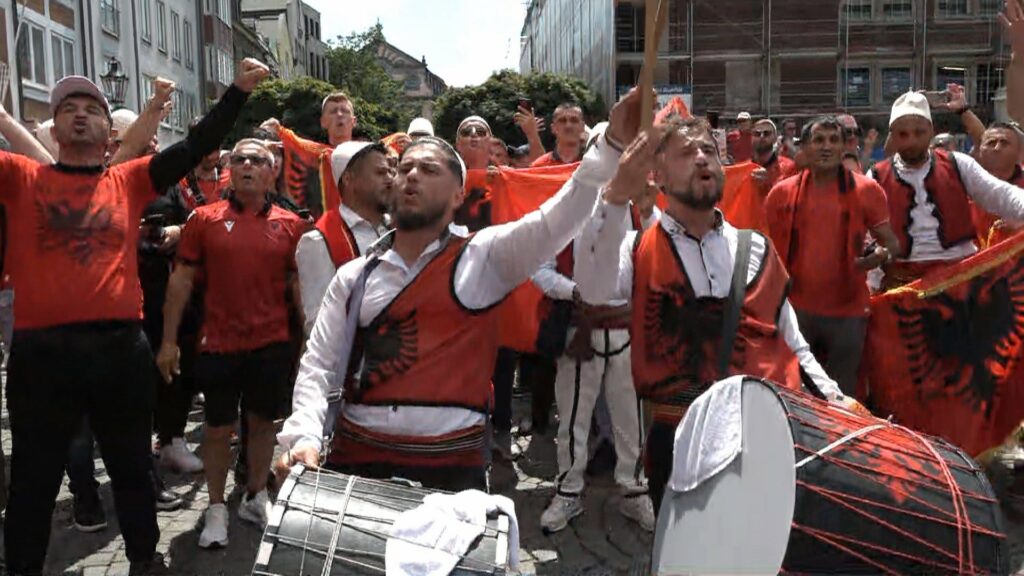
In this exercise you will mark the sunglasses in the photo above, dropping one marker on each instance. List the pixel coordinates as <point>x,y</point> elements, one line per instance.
<point>763,133</point>
<point>473,130</point>
<point>254,159</point>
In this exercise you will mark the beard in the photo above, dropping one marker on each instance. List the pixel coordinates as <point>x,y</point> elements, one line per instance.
<point>692,199</point>
<point>914,156</point>
<point>412,220</point>
<point>764,148</point>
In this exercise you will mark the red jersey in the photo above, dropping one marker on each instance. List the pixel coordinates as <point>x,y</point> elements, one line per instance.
<point>73,235</point>
<point>246,260</point>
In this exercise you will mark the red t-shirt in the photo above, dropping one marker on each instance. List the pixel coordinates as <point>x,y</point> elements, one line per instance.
<point>246,260</point>
<point>813,271</point>
<point>72,239</point>
<point>741,145</point>
<point>547,159</point>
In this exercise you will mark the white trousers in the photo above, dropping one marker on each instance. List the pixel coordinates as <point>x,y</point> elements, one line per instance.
<point>577,387</point>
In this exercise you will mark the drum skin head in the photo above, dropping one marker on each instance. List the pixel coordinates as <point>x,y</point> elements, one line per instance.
<point>737,522</point>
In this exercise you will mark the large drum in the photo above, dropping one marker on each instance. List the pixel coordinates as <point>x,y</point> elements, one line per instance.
<point>818,490</point>
<point>330,523</point>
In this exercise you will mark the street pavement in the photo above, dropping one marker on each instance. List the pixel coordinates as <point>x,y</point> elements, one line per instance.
<point>600,542</point>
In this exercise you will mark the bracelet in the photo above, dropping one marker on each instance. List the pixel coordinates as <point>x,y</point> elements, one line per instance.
<point>615,145</point>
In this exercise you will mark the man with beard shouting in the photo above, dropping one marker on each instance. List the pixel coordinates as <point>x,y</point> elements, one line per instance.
<point>682,270</point>
<point>423,337</point>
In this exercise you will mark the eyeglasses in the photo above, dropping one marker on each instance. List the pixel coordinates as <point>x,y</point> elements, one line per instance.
<point>254,159</point>
<point>473,130</point>
<point>763,133</point>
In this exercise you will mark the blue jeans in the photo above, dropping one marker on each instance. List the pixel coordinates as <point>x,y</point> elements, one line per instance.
<point>81,468</point>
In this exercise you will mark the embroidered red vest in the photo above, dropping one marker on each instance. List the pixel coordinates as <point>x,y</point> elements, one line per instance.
<point>341,243</point>
<point>945,190</point>
<point>676,336</point>
<point>425,348</point>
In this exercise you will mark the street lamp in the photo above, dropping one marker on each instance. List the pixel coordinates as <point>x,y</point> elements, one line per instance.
<point>115,83</point>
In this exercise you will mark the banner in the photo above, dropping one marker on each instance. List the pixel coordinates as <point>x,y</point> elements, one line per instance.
<point>742,202</point>
<point>944,354</point>
<point>307,173</point>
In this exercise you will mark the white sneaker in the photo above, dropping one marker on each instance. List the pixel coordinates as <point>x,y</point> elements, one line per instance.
<point>639,509</point>
<point>559,512</point>
<point>215,527</point>
<point>255,509</point>
<point>179,458</point>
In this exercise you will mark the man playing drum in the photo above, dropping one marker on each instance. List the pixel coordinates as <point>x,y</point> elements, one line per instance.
<point>417,386</point>
<point>679,275</point>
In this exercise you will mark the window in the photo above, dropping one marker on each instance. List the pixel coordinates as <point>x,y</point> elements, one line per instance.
<point>412,82</point>
<point>110,19</point>
<point>161,26</point>
<point>62,51</point>
<point>175,36</point>
<point>989,79</point>
<point>145,13</point>
<point>895,81</point>
<point>858,9</point>
<point>990,7</point>
<point>952,8</point>
<point>219,8</point>
<point>893,9</point>
<point>188,44</point>
<point>950,75</point>
<point>32,54</point>
<point>858,87</point>
<point>629,27</point>
<point>219,66</point>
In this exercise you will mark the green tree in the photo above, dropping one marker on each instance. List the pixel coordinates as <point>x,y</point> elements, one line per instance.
<point>296,103</point>
<point>497,99</point>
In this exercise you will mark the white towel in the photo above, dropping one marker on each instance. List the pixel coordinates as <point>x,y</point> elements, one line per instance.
<point>432,538</point>
<point>710,436</point>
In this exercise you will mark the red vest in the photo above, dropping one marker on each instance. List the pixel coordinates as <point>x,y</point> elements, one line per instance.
<point>425,348</point>
<point>945,190</point>
<point>984,220</point>
<point>341,243</point>
<point>676,336</point>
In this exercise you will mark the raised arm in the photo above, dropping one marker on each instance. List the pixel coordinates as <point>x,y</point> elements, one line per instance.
<point>22,141</point>
<point>531,126</point>
<point>172,164</point>
<point>143,130</point>
<point>994,195</point>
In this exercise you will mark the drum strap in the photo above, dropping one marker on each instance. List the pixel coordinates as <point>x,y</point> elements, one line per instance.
<point>354,305</point>
<point>734,305</point>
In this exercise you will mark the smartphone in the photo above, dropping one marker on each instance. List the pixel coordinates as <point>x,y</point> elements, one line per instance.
<point>937,98</point>
<point>526,103</point>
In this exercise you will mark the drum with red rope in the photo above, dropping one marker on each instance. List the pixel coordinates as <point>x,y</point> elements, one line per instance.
<point>819,490</point>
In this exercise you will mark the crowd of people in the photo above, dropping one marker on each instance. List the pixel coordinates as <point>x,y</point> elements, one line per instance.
<point>360,330</point>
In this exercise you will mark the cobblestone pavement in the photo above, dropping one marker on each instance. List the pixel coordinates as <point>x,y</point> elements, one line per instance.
<point>600,542</point>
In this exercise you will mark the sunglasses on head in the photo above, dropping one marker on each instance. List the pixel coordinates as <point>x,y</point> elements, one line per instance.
<point>473,130</point>
<point>254,159</point>
<point>763,133</point>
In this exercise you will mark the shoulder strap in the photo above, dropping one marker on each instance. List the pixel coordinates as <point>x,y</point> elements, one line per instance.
<point>197,191</point>
<point>354,305</point>
<point>737,294</point>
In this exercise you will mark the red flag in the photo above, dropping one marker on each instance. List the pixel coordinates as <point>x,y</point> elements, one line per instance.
<point>944,354</point>
<point>742,202</point>
<point>674,108</point>
<point>308,177</point>
<point>513,194</point>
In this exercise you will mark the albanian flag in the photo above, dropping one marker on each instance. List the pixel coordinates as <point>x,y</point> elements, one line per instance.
<point>742,201</point>
<point>506,197</point>
<point>944,354</point>
<point>307,173</point>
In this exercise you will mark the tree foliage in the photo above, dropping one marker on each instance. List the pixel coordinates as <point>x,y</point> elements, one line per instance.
<point>296,103</point>
<point>497,99</point>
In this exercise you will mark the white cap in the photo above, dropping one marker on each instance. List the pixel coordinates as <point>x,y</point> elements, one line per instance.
<point>911,104</point>
<point>72,85</point>
<point>343,154</point>
<point>743,116</point>
<point>121,119</point>
<point>420,127</point>
<point>469,119</point>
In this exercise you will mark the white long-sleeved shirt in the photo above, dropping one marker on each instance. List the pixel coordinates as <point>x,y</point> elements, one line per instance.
<point>313,260</point>
<point>708,263</point>
<point>495,261</point>
<point>558,287</point>
<point>994,195</point>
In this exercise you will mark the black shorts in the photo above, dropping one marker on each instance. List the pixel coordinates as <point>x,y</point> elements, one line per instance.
<point>255,375</point>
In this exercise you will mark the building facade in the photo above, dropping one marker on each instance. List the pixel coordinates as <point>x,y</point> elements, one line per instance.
<point>420,84</point>
<point>291,30</point>
<point>781,57</point>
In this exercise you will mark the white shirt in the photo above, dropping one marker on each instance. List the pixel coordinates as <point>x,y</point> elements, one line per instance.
<point>558,287</point>
<point>994,195</point>
<point>708,262</point>
<point>495,261</point>
<point>313,260</point>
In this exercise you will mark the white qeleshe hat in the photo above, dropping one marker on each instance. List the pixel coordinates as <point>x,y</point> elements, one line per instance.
<point>910,104</point>
<point>420,127</point>
<point>344,154</point>
<point>743,116</point>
